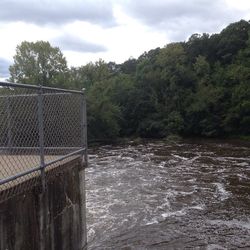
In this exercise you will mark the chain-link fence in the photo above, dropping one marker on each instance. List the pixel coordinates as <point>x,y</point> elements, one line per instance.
<point>41,128</point>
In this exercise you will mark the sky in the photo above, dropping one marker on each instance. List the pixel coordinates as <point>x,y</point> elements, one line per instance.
<point>112,30</point>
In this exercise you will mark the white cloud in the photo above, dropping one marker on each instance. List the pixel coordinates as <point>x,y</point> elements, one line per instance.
<point>240,5</point>
<point>75,43</point>
<point>179,19</point>
<point>4,68</point>
<point>85,29</point>
<point>57,11</point>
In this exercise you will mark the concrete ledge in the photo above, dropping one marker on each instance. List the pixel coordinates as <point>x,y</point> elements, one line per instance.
<point>54,219</point>
<point>33,181</point>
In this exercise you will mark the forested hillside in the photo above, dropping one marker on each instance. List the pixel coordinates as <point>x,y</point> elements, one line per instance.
<point>200,87</point>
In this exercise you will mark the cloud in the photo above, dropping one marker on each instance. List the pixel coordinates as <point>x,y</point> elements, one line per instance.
<point>57,11</point>
<point>180,19</point>
<point>73,43</point>
<point>4,67</point>
<point>118,28</point>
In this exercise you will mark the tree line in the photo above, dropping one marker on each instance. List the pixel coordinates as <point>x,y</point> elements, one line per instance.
<point>200,87</point>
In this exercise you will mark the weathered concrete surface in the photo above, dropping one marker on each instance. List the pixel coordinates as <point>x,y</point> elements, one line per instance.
<point>51,220</point>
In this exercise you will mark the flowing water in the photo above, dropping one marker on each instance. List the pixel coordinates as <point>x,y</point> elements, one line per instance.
<point>157,195</point>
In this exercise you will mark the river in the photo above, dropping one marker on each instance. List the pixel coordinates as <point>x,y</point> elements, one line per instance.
<point>159,195</point>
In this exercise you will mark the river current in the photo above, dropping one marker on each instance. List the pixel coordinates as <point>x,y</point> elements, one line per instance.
<point>159,195</point>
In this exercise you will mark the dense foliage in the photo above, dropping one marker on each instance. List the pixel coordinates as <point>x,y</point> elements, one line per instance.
<point>196,88</point>
<point>39,63</point>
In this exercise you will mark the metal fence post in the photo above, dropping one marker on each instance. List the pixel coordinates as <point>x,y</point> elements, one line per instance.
<point>9,123</point>
<point>84,154</point>
<point>41,136</point>
<point>84,128</point>
<point>43,202</point>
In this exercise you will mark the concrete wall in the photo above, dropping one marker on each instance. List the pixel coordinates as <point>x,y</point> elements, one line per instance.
<point>52,220</point>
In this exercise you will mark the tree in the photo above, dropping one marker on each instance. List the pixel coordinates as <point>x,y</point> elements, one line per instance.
<point>103,114</point>
<point>232,39</point>
<point>201,67</point>
<point>88,75</point>
<point>39,63</point>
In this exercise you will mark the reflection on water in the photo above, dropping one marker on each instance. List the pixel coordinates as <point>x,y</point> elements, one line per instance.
<point>169,196</point>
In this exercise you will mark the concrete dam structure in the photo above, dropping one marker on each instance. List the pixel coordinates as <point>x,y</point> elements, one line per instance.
<point>43,155</point>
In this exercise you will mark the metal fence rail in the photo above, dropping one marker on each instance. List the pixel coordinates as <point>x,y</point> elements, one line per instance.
<point>40,128</point>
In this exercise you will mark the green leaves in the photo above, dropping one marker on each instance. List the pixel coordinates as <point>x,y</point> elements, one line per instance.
<point>237,120</point>
<point>39,63</point>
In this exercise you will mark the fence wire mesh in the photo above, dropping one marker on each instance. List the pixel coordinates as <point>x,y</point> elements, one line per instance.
<point>40,129</point>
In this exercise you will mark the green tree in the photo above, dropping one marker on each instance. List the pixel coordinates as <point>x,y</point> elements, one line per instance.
<point>102,110</point>
<point>103,114</point>
<point>201,67</point>
<point>89,74</point>
<point>39,63</point>
<point>232,39</point>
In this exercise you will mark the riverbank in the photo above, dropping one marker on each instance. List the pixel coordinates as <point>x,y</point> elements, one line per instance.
<point>171,138</point>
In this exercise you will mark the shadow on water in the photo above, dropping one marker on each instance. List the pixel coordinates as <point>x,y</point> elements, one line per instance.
<point>155,195</point>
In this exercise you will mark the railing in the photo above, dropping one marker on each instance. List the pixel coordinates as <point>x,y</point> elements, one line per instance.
<point>40,129</point>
